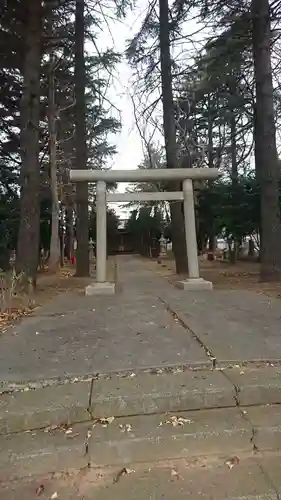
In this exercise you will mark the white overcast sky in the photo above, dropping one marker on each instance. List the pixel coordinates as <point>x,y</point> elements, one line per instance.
<point>128,142</point>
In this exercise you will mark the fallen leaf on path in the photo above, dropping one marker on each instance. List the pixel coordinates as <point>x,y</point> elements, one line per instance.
<point>231,462</point>
<point>40,490</point>
<point>174,473</point>
<point>6,318</point>
<point>57,427</point>
<point>178,421</point>
<point>66,274</point>
<point>104,421</point>
<point>126,427</point>
<point>177,370</point>
<point>121,473</point>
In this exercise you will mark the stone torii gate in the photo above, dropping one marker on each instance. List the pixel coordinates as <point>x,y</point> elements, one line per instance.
<point>187,175</point>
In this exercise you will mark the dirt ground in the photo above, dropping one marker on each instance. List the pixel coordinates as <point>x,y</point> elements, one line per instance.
<point>48,286</point>
<point>243,275</point>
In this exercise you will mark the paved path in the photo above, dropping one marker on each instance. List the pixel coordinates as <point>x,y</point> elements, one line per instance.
<point>177,431</point>
<point>149,323</point>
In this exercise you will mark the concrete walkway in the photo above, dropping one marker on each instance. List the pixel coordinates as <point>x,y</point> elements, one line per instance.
<point>192,379</point>
<point>149,323</point>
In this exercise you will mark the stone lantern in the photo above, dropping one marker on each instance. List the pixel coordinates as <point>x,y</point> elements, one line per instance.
<point>163,246</point>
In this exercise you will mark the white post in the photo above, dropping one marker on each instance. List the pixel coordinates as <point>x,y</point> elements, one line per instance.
<point>190,229</point>
<point>101,231</point>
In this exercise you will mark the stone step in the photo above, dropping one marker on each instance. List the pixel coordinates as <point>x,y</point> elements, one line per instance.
<point>158,393</point>
<point>42,407</point>
<point>251,478</point>
<point>137,394</point>
<point>42,452</point>
<point>225,432</point>
<point>170,436</point>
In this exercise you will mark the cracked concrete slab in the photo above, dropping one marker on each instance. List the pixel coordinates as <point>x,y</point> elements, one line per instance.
<point>234,325</point>
<point>271,467</point>
<point>40,408</point>
<point>146,393</point>
<point>266,424</point>
<point>256,386</point>
<point>40,452</point>
<point>157,437</point>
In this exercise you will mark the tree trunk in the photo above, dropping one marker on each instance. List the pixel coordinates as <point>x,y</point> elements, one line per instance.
<point>4,258</point>
<point>62,235</point>
<point>29,229</point>
<point>69,231</point>
<point>178,234</point>
<point>212,246</point>
<point>54,259</point>
<point>210,133</point>
<point>233,146</point>
<point>67,199</point>
<point>265,136</point>
<point>82,224</point>
<point>251,250</point>
<point>233,128</point>
<point>234,169</point>
<point>212,235</point>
